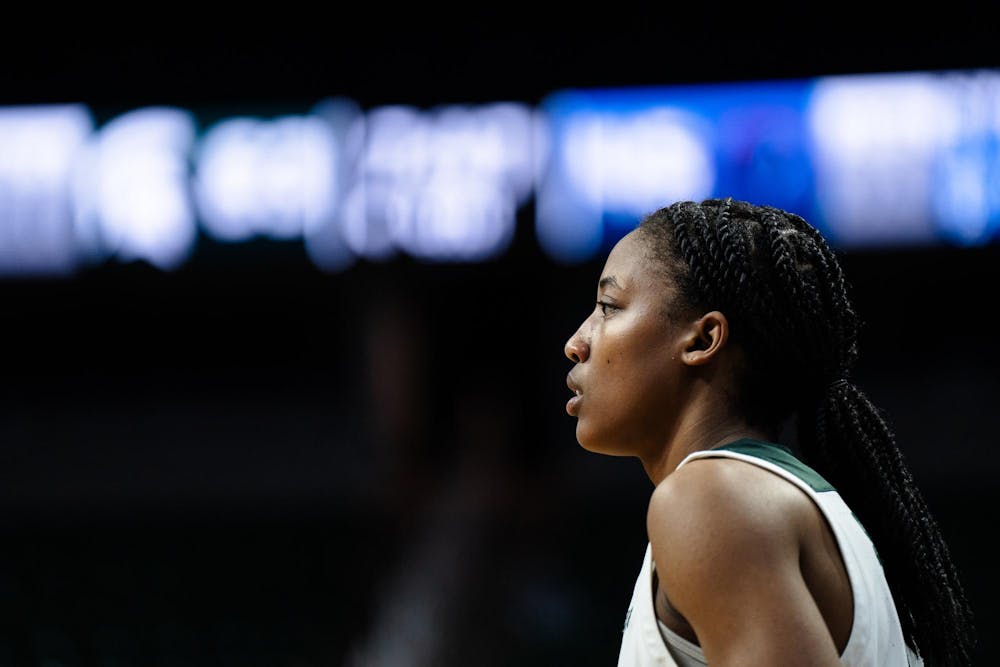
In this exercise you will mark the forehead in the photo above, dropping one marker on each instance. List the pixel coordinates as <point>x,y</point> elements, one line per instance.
<point>630,262</point>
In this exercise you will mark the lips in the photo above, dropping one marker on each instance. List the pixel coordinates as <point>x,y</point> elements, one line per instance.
<point>572,405</point>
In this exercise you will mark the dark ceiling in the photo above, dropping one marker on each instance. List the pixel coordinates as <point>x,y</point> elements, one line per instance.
<point>426,55</point>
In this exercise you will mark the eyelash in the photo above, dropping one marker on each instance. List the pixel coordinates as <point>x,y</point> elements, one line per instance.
<point>603,305</point>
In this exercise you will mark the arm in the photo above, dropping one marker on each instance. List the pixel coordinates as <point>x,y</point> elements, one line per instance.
<point>726,541</point>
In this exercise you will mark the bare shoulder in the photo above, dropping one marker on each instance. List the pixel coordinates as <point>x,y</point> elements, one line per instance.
<point>727,537</point>
<point>717,512</point>
<point>716,492</point>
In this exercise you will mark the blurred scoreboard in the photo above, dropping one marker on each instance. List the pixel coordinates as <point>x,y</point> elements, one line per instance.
<point>874,160</point>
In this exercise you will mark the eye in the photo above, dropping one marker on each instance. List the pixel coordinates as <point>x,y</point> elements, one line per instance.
<point>606,308</point>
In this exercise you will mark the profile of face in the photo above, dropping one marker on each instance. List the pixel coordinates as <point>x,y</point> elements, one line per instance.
<point>626,356</point>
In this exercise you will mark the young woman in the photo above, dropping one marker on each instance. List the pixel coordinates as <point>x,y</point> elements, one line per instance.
<point>720,327</point>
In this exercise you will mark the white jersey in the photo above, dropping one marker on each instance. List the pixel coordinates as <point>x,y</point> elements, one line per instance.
<point>876,638</point>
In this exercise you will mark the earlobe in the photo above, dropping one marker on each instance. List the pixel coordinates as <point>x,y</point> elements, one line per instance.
<point>705,338</point>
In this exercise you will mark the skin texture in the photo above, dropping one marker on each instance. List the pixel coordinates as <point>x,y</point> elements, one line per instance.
<point>746,565</point>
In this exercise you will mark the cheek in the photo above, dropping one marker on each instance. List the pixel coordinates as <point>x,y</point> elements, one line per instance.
<point>640,384</point>
<point>629,392</point>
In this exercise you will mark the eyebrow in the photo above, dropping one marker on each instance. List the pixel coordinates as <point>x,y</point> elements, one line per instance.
<point>608,280</point>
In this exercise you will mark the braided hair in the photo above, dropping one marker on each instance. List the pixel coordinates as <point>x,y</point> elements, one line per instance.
<point>786,297</point>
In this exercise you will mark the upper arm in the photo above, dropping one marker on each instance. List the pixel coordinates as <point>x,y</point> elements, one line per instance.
<point>726,548</point>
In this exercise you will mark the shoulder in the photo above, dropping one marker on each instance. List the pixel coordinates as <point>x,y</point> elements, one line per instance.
<point>723,491</point>
<point>713,512</point>
<point>727,537</point>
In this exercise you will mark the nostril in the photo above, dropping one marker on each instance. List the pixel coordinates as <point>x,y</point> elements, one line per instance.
<point>576,350</point>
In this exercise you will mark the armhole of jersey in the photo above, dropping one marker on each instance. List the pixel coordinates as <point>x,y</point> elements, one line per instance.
<point>780,461</point>
<point>685,653</point>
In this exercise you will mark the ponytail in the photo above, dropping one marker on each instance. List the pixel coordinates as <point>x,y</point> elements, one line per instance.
<point>856,449</point>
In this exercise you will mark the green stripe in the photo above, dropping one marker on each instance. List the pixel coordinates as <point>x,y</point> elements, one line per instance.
<point>780,456</point>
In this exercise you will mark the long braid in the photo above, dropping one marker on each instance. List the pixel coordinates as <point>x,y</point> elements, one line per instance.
<point>919,564</point>
<point>786,296</point>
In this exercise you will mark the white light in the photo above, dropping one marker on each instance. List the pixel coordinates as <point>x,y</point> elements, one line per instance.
<point>274,178</point>
<point>638,162</point>
<point>628,163</point>
<point>495,139</point>
<point>874,140</point>
<point>455,218</point>
<point>397,143</point>
<point>324,239</point>
<point>131,188</point>
<point>38,145</point>
<point>442,185</point>
<point>365,227</point>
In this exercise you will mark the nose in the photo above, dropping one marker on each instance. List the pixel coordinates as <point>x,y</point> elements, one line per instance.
<point>577,349</point>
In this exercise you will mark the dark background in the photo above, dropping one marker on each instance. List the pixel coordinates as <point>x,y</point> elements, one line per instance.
<point>250,462</point>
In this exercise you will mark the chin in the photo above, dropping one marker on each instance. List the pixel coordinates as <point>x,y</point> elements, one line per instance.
<point>598,445</point>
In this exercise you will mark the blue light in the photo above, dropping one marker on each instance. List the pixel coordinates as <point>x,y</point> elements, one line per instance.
<point>966,199</point>
<point>619,154</point>
<point>877,160</point>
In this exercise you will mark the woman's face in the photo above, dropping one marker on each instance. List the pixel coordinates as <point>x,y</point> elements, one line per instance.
<point>625,355</point>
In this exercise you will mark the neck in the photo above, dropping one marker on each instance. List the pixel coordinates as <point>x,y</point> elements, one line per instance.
<point>695,437</point>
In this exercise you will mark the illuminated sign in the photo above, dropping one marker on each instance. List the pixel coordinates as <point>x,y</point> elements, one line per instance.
<point>872,160</point>
<point>885,160</point>
<point>441,185</point>
<point>130,183</point>
<point>39,147</point>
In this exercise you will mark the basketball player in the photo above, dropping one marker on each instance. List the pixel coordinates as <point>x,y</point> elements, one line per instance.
<point>720,326</point>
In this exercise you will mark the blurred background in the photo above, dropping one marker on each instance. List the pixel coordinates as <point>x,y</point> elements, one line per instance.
<point>285,294</point>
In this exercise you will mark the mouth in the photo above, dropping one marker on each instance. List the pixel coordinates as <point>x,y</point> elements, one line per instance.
<point>572,405</point>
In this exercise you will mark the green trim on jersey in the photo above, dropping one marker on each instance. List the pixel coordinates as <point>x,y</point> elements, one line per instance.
<point>782,457</point>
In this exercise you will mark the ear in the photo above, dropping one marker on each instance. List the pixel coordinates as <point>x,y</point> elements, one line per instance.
<point>704,339</point>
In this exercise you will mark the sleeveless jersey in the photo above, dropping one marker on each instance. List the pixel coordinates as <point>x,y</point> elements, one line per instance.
<point>876,638</point>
